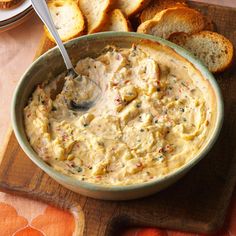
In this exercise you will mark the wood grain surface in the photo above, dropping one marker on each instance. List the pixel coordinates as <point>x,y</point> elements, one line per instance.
<point>228,3</point>
<point>197,203</point>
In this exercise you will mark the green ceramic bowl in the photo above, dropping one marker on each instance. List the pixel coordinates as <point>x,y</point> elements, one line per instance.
<point>51,64</point>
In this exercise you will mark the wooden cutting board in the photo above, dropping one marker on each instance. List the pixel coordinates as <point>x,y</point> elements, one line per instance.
<point>197,203</point>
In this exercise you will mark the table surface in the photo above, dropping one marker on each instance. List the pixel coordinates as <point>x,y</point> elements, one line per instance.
<point>17,49</point>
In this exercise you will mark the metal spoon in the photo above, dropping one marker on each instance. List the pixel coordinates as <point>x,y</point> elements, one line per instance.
<point>42,10</point>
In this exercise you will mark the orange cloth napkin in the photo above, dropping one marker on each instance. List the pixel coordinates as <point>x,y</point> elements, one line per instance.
<point>37,219</point>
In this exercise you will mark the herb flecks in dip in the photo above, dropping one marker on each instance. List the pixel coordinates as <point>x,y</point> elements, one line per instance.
<point>155,115</point>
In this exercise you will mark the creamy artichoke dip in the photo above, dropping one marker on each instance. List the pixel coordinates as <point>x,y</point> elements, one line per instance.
<point>156,113</point>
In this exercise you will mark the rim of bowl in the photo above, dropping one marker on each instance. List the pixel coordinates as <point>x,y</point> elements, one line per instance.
<point>118,188</point>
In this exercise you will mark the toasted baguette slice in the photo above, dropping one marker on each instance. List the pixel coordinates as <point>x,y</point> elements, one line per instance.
<point>96,12</point>
<point>173,20</point>
<point>131,7</point>
<point>6,4</point>
<point>116,21</point>
<point>213,49</point>
<point>159,5</point>
<point>68,19</point>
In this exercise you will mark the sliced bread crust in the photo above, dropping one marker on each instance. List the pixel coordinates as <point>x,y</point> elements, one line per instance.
<point>116,21</point>
<point>213,49</point>
<point>67,18</point>
<point>159,5</point>
<point>173,20</point>
<point>131,7</point>
<point>95,12</point>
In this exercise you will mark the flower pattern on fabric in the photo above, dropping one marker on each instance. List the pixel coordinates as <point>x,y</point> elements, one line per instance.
<point>10,221</point>
<point>55,222</point>
<point>28,231</point>
<point>16,219</point>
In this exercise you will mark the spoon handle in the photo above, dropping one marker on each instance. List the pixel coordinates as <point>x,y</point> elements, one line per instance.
<point>41,9</point>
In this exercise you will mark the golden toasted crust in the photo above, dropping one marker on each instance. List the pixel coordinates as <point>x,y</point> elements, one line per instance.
<point>213,49</point>
<point>68,19</point>
<point>116,21</point>
<point>172,20</point>
<point>131,7</point>
<point>96,12</point>
<point>10,3</point>
<point>158,5</point>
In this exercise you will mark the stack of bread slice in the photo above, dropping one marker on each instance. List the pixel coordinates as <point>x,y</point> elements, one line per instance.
<point>187,27</point>
<point>170,19</point>
<point>76,17</point>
